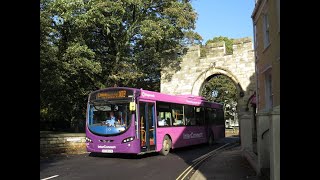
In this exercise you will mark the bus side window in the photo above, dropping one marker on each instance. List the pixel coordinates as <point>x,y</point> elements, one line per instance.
<point>168,118</point>
<point>164,116</point>
<point>161,120</point>
<point>189,115</point>
<point>178,115</point>
<point>198,116</point>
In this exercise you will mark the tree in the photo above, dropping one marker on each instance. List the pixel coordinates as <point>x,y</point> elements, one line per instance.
<point>91,44</point>
<point>228,43</point>
<point>68,71</point>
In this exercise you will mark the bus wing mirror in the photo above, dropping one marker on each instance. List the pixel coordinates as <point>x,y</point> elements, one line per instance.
<point>132,106</point>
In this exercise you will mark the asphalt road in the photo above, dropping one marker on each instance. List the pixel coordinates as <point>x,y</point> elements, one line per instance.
<point>118,166</point>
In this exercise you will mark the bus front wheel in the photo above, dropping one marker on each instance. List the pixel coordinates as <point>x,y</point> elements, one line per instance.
<point>166,145</point>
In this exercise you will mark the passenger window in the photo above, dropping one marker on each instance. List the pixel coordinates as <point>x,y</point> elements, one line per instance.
<point>189,115</point>
<point>199,115</point>
<point>178,115</point>
<point>164,119</point>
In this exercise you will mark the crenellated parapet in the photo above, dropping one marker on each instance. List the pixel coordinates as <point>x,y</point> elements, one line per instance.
<point>218,49</point>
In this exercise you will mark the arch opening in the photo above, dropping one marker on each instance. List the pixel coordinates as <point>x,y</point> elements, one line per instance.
<point>223,89</point>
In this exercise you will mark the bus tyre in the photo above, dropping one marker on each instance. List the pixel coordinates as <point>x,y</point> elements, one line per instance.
<point>210,139</point>
<point>166,145</point>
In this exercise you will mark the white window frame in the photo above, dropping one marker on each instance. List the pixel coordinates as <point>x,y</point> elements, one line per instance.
<point>255,42</point>
<point>266,30</point>
<point>278,13</point>
<point>268,89</point>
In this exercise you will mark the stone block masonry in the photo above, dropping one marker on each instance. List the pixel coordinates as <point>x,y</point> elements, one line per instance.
<point>195,70</point>
<point>57,143</point>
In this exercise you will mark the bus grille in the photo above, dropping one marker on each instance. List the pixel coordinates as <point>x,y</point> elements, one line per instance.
<point>108,141</point>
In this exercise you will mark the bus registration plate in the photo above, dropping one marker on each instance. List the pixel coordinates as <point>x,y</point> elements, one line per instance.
<point>107,150</point>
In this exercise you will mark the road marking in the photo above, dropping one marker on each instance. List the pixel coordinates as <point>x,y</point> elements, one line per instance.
<point>49,177</point>
<point>209,153</point>
<point>192,168</point>
<point>197,161</point>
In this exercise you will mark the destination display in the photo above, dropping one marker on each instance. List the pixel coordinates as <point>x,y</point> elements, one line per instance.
<point>112,94</point>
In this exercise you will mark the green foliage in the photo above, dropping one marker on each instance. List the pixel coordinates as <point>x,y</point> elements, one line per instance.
<point>228,43</point>
<point>87,45</point>
<point>203,51</point>
<point>193,38</point>
<point>225,90</point>
<point>223,85</point>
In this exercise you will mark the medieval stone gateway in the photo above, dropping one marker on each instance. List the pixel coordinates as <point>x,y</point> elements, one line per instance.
<point>194,70</point>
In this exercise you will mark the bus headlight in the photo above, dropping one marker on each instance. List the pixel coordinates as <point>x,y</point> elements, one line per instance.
<point>129,139</point>
<point>88,140</point>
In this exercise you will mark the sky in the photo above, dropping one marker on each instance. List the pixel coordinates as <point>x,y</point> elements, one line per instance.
<point>229,18</point>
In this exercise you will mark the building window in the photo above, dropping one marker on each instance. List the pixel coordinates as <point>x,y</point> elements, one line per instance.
<point>266,32</point>
<point>278,13</point>
<point>268,90</point>
<point>255,36</point>
<point>255,42</point>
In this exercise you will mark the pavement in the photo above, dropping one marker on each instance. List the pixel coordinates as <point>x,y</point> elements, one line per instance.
<point>228,164</point>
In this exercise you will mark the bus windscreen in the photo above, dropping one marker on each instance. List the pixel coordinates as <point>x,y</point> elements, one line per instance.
<point>109,112</point>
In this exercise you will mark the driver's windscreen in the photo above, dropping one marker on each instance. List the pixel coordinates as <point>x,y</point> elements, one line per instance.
<point>108,119</point>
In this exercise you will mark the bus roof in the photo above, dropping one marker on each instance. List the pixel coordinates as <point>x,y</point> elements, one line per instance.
<point>179,99</point>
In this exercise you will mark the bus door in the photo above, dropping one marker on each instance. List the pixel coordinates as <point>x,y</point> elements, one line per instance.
<point>207,122</point>
<point>147,126</point>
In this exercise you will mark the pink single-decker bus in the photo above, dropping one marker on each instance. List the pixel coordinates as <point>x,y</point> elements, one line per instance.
<point>137,121</point>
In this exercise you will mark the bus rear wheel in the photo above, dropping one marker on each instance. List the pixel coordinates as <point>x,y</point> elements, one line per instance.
<point>166,145</point>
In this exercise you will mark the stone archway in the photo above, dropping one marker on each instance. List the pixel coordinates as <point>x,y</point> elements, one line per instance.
<point>194,70</point>
<point>203,77</point>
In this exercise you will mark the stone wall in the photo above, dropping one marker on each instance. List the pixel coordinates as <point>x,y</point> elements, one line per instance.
<point>56,143</point>
<point>195,70</point>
